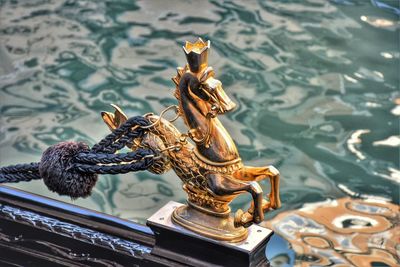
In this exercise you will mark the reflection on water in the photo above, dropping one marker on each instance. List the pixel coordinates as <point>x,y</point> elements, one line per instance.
<point>350,232</point>
<point>316,83</point>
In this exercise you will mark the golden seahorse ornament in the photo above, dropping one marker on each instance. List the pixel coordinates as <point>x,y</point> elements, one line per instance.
<point>205,158</point>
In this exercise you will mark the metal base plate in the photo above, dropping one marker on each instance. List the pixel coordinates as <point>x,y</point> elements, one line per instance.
<point>163,218</point>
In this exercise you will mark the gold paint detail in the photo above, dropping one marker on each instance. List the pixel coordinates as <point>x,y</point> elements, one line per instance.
<point>206,202</point>
<point>222,167</point>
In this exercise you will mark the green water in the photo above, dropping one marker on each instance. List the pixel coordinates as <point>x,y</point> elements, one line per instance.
<point>316,83</point>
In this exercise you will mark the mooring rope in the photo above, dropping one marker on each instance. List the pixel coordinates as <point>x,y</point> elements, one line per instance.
<point>71,168</point>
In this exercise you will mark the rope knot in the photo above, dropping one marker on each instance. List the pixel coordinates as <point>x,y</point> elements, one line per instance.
<point>59,175</point>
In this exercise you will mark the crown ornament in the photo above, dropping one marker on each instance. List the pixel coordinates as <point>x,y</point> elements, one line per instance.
<point>197,54</point>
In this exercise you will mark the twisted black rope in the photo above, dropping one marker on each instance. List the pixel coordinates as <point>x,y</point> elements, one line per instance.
<point>71,168</point>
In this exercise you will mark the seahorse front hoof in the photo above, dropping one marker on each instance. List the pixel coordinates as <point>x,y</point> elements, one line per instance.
<point>257,219</point>
<point>238,218</point>
<point>244,219</point>
<point>274,203</point>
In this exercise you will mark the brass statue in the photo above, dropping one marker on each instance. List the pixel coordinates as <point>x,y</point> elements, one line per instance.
<point>205,158</point>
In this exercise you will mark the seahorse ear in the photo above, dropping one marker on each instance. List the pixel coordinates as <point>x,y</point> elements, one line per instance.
<point>179,73</point>
<point>207,73</point>
<point>113,121</point>
<point>120,116</point>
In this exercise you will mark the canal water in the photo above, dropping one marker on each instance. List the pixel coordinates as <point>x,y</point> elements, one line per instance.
<point>316,84</point>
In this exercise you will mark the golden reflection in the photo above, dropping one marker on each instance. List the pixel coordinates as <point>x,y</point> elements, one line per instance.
<point>378,22</point>
<point>342,232</point>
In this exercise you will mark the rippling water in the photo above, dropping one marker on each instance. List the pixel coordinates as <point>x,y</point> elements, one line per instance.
<point>316,83</point>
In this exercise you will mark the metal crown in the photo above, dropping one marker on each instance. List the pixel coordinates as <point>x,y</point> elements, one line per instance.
<point>197,54</point>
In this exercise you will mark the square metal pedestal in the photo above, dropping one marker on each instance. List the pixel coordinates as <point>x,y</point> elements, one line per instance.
<point>188,248</point>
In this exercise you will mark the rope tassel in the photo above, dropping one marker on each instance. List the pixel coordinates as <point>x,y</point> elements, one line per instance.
<point>72,168</point>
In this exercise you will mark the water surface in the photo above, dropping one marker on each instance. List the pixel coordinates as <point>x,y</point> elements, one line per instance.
<point>316,83</point>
